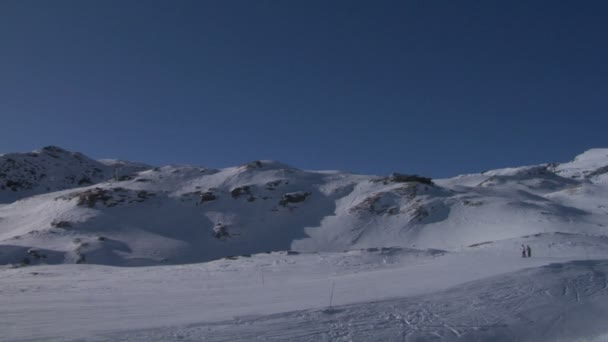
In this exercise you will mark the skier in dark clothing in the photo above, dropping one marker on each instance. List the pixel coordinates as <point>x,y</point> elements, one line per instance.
<point>523,251</point>
<point>529,250</point>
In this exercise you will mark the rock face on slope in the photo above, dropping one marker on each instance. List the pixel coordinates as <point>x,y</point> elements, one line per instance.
<point>52,169</point>
<point>177,214</point>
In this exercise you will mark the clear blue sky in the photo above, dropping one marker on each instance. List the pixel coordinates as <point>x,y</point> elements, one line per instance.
<point>437,88</point>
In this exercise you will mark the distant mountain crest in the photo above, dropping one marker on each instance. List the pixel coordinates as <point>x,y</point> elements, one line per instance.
<point>51,169</point>
<point>124,213</point>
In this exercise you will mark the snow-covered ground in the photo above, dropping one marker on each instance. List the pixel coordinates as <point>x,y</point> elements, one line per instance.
<point>387,294</point>
<point>270,252</point>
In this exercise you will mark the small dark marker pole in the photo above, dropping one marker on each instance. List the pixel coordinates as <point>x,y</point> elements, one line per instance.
<point>262,275</point>
<point>331,294</point>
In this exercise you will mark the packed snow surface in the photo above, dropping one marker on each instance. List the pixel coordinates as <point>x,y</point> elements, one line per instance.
<point>270,252</point>
<point>389,294</point>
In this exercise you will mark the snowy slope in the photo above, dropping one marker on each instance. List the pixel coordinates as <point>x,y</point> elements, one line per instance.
<point>180,214</point>
<point>479,294</point>
<point>558,302</point>
<point>398,258</point>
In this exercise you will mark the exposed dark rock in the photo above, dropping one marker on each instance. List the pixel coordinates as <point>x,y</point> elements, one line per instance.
<point>272,185</point>
<point>368,204</point>
<point>90,197</point>
<point>143,194</point>
<point>207,196</point>
<point>220,232</point>
<point>35,254</point>
<point>61,224</point>
<point>256,164</point>
<point>53,149</point>
<point>373,204</point>
<point>294,197</point>
<point>85,180</point>
<point>480,244</point>
<point>409,191</point>
<point>404,178</point>
<point>239,191</point>
<point>600,171</point>
<point>108,197</point>
<point>472,203</point>
<point>16,185</point>
<point>124,178</point>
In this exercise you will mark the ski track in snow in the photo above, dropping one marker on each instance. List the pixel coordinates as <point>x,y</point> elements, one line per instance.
<point>443,315</point>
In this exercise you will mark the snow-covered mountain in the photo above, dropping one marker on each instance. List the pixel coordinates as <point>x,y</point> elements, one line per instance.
<point>307,255</point>
<point>179,214</point>
<point>52,169</point>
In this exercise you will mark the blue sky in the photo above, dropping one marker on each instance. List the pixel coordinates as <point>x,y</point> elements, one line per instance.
<point>437,88</point>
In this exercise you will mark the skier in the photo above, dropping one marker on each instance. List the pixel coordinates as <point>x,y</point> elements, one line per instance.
<point>529,250</point>
<point>523,251</point>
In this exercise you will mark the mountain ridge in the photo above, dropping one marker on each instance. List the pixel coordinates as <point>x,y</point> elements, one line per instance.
<point>184,214</point>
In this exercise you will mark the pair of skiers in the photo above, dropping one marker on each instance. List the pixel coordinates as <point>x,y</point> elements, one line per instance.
<point>526,251</point>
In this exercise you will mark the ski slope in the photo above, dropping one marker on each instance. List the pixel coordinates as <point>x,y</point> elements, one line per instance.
<point>379,295</point>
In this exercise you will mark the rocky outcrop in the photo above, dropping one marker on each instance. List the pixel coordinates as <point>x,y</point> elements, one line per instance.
<point>404,178</point>
<point>245,190</point>
<point>294,197</point>
<point>207,196</point>
<point>107,197</point>
<point>49,169</point>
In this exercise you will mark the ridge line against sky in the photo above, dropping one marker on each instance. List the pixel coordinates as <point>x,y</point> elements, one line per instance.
<point>434,88</point>
<point>140,162</point>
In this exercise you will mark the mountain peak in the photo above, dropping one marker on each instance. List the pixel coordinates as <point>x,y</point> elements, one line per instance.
<point>591,163</point>
<point>593,154</point>
<point>265,164</point>
<point>53,149</point>
<point>51,168</point>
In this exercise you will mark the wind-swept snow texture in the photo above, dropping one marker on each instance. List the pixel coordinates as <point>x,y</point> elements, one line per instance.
<point>271,252</point>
